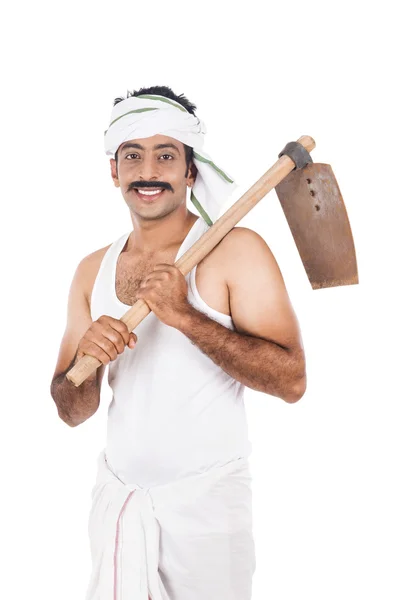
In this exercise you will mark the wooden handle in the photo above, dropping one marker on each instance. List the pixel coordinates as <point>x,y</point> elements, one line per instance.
<point>88,364</point>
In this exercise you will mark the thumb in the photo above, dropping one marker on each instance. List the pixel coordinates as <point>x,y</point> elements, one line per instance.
<point>132,340</point>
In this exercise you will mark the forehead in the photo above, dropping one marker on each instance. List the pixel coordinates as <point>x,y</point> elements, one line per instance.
<point>153,143</point>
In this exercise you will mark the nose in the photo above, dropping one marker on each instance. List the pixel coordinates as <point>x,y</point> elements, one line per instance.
<point>148,169</point>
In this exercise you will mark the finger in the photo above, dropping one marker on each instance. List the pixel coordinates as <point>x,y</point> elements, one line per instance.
<point>100,337</point>
<point>132,340</point>
<point>118,339</point>
<point>116,324</point>
<point>149,286</point>
<point>164,267</point>
<point>108,347</point>
<point>121,328</point>
<point>160,274</point>
<point>97,350</point>
<point>153,284</point>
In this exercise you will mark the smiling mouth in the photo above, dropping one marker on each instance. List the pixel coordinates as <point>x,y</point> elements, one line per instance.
<point>149,193</point>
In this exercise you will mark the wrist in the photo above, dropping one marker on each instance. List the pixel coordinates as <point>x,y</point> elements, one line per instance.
<point>185,317</point>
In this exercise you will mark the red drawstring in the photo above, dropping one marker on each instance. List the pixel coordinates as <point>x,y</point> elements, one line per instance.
<point>116,544</point>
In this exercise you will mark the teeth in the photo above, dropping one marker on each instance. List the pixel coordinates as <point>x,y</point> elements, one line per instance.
<point>150,193</point>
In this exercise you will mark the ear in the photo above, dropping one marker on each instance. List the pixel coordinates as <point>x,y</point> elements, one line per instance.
<point>114,173</point>
<point>191,178</point>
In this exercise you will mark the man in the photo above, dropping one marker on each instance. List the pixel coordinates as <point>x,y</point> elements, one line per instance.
<point>171,516</point>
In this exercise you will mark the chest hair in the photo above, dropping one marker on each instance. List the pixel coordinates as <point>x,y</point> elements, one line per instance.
<point>130,272</point>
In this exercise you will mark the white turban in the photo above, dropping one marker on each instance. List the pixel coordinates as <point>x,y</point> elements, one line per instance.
<point>147,115</point>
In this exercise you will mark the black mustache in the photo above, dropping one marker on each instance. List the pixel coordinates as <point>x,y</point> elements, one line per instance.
<point>149,184</point>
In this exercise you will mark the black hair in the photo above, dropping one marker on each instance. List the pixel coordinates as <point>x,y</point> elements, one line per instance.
<point>163,90</point>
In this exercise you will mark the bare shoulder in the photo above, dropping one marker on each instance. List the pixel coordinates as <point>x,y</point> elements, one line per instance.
<point>260,304</point>
<point>78,315</point>
<point>245,237</point>
<point>242,248</point>
<point>89,268</point>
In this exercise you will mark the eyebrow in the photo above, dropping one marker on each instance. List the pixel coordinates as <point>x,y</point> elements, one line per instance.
<point>157,147</point>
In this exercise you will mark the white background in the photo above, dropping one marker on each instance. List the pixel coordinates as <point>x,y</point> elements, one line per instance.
<point>325,491</point>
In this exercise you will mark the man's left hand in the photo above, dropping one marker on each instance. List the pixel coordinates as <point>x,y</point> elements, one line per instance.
<point>165,291</point>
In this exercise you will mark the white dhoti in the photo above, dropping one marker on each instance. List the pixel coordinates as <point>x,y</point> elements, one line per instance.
<point>190,539</point>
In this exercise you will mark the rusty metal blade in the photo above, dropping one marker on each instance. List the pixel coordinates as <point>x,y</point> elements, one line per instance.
<point>317,217</point>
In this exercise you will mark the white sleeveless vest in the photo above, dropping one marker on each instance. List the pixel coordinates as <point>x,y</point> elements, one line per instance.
<point>174,412</point>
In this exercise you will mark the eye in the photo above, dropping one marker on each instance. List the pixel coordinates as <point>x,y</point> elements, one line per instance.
<point>132,154</point>
<point>170,155</point>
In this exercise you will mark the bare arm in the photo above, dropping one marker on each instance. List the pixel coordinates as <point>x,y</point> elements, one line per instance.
<point>75,404</point>
<point>265,352</point>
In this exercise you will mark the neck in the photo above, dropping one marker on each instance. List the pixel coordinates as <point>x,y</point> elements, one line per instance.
<point>158,235</point>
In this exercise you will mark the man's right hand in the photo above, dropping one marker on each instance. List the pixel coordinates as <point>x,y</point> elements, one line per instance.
<point>105,339</point>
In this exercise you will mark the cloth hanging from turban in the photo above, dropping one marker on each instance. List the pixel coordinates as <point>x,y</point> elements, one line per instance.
<point>147,115</point>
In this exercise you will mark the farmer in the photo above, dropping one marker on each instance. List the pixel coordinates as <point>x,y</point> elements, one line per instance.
<point>172,507</point>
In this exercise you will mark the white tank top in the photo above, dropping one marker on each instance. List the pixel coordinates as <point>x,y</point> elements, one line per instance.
<point>174,412</point>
